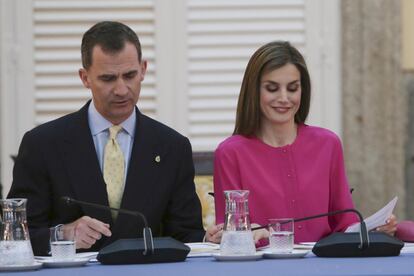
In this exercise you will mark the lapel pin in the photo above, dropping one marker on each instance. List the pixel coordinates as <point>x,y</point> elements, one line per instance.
<point>157,159</point>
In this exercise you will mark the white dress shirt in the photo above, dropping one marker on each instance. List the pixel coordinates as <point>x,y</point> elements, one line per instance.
<point>99,127</point>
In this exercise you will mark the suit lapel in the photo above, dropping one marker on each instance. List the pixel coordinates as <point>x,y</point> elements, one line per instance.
<point>83,166</point>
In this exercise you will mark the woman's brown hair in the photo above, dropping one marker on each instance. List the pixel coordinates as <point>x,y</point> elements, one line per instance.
<point>267,58</point>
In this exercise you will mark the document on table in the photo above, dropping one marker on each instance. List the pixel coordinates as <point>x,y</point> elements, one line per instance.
<point>203,249</point>
<point>408,248</point>
<point>377,219</point>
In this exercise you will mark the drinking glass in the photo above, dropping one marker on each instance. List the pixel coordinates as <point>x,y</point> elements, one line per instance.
<point>281,232</point>
<point>62,242</point>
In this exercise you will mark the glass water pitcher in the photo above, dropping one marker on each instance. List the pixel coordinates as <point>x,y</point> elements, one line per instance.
<point>15,247</point>
<point>237,236</point>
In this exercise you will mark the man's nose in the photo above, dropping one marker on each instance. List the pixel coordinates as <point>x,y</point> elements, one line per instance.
<point>120,87</point>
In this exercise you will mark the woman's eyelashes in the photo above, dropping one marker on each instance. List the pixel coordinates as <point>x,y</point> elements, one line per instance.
<point>293,87</point>
<point>273,87</point>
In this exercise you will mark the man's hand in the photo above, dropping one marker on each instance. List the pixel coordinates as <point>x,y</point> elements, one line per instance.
<point>87,231</point>
<point>214,233</point>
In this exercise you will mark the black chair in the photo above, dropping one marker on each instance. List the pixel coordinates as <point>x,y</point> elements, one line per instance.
<point>203,162</point>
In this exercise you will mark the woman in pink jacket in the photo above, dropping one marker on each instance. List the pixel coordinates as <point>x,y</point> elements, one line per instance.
<point>291,169</point>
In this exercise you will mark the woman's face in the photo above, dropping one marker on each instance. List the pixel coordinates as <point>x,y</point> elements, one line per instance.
<point>280,94</point>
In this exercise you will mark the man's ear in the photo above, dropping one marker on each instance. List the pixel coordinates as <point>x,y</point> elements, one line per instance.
<point>143,69</point>
<point>83,75</point>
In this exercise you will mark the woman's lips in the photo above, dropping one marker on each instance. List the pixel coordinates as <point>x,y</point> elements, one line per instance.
<point>281,109</point>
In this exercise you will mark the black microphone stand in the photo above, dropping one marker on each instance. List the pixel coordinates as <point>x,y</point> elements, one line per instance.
<point>363,233</point>
<point>147,233</point>
<point>124,251</point>
<point>361,244</point>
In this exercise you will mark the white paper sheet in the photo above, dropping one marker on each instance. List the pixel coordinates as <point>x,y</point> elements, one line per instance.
<point>377,219</point>
<point>408,248</point>
<point>203,249</point>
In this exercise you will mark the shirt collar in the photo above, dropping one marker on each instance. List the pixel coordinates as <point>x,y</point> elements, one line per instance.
<point>98,123</point>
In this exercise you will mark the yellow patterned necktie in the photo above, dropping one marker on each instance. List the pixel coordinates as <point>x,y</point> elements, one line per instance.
<point>114,169</point>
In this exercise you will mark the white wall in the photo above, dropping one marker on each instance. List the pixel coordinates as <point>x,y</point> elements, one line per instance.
<point>16,81</point>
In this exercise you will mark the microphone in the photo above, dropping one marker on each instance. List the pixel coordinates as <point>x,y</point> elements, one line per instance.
<point>137,251</point>
<point>357,244</point>
<point>147,234</point>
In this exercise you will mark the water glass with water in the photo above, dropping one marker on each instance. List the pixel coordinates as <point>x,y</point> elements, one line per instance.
<point>62,242</point>
<point>281,235</point>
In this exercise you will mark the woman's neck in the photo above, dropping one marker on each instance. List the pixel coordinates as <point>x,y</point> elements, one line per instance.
<point>278,135</point>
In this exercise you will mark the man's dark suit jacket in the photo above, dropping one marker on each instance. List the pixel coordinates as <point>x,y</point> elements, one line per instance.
<point>59,159</point>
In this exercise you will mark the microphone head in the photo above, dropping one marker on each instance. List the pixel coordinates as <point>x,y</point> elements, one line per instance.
<point>66,199</point>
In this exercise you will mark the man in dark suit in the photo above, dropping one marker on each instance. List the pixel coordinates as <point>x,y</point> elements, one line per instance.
<point>152,171</point>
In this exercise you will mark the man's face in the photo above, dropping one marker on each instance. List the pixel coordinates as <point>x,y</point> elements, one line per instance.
<point>115,81</point>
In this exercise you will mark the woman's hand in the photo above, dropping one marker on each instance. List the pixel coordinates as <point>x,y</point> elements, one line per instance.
<point>390,227</point>
<point>259,234</point>
<point>214,233</point>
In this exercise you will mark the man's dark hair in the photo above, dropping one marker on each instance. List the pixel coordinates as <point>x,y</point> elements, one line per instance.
<point>111,37</point>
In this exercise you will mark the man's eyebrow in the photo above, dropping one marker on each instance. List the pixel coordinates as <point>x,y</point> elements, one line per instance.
<point>106,75</point>
<point>130,72</point>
